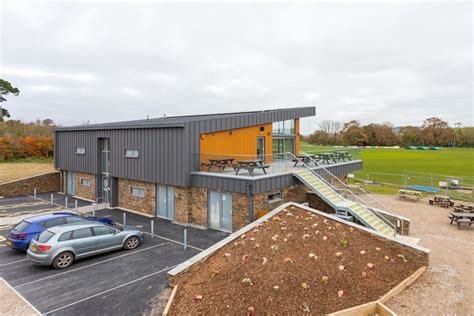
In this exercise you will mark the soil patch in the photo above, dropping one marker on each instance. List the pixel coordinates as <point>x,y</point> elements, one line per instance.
<point>296,262</point>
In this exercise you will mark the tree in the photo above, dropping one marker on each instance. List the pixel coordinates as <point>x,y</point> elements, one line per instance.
<point>331,129</point>
<point>5,89</point>
<point>410,136</point>
<point>436,132</point>
<point>353,134</point>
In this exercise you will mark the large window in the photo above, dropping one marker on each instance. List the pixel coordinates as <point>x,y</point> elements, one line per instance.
<point>284,127</point>
<point>165,201</point>
<point>220,211</point>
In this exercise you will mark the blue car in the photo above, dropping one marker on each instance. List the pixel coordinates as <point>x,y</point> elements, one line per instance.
<point>20,236</point>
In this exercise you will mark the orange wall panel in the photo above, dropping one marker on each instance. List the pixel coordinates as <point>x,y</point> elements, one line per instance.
<point>241,141</point>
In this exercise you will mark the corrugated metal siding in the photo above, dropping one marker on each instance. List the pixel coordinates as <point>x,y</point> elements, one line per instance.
<point>261,184</point>
<point>160,153</point>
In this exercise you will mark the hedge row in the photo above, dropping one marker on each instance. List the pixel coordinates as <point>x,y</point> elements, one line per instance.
<point>26,147</point>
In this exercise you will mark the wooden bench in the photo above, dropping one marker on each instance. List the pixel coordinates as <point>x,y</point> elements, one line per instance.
<point>250,168</point>
<point>461,218</point>
<point>409,194</point>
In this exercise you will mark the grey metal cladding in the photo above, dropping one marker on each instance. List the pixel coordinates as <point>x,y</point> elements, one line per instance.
<point>261,184</point>
<point>160,153</point>
<point>167,147</point>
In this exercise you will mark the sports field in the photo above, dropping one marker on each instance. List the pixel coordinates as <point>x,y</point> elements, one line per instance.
<point>407,167</point>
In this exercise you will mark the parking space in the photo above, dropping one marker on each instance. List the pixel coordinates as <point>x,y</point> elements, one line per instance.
<point>125,282</point>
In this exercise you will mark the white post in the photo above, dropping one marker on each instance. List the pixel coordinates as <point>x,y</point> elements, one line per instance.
<point>52,199</point>
<point>152,228</point>
<point>93,209</point>
<point>34,193</point>
<point>185,237</point>
<point>124,219</point>
<point>65,202</point>
<point>75,205</point>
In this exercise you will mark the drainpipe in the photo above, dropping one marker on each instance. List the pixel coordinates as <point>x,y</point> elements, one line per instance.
<point>248,188</point>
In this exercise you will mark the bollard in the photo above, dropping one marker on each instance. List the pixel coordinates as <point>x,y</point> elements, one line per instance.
<point>65,202</point>
<point>185,237</point>
<point>93,209</point>
<point>34,193</point>
<point>152,228</point>
<point>75,205</point>
<point>52,199</point>
<point>124,219</point>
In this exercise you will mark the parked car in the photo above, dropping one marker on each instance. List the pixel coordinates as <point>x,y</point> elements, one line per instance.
<point>20,236</point>
<point>60,246</point>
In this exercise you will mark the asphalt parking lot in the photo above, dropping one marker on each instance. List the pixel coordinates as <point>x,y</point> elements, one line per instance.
<point>124,282</point>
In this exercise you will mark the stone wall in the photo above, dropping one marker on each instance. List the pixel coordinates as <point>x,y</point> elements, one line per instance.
<point>182,208</point>
<point>295,194</point>
<point>86,192</point>
<point>198,205</point>
<point>145,205</point>
<point>46,182</point>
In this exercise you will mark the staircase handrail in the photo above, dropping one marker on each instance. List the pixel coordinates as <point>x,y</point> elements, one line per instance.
<point>384,208</point>
<point>386,221</point>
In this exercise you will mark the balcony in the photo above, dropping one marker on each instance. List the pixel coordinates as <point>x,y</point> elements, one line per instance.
<point>235,165</point>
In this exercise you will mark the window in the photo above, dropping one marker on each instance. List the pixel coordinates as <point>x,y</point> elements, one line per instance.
<point>131,153</point>
<point>54,222</point>
<point>284,127</point>
<point>85,182</point>
<point>65,236</point>
<point>22,226</point>
<point>81,233</point>
<point>80,151</point>
<point>138,192</point>
<point>274,197</point>
<point>45,236</point>
<point>74,219</point>
<point>103,230</point>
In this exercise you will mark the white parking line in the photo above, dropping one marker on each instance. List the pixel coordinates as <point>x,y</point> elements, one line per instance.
<point>109,290</point>
<point>5,264</point>
<point>89,265</point>
<point>175,241</point>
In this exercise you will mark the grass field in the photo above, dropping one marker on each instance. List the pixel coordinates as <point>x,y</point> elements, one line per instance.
<point>402,166</point>
<point>10,171</point>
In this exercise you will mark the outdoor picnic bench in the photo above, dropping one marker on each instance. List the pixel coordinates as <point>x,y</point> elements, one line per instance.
<point>327,157</point>
<point>461,218</point>
<point>442,200</point>
<point>402,193</point>
<point>220,164</point>
<point>464,207</point>
<point>250,166</point>
<point>342,155</point>
<point>305,159</point>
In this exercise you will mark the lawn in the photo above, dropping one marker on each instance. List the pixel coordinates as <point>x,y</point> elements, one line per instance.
<point>402,166</point>
<point>10,171</point>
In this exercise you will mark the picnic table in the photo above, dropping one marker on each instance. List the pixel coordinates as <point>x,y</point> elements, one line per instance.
<point>461,218</point>
<point>402,193</point>
<point>250,166</point>
<point>327,157</point>
<point>464,207</point>
<point>305,159</point>
<point>442,200</point>
<point>342,155</point>
<point>220,163</point>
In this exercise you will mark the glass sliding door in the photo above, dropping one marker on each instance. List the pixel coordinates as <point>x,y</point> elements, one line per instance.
<point>220,211</point>
<point>261,147</point>
<point>165,201</point>
<point>71,182</point>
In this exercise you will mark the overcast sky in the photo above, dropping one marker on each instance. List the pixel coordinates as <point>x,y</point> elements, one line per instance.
<point>372,62</point>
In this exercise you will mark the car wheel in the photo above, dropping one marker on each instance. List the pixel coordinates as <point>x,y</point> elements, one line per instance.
<point>63,260</point>
<point>131,243</point>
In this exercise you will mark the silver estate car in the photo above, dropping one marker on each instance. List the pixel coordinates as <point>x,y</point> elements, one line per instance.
<point>61,245</point>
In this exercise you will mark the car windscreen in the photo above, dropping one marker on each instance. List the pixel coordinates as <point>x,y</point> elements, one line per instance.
<point>22,226</point>
<point>45,236</point>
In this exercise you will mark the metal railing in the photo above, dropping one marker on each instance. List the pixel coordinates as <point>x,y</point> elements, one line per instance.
<point>351,194</point>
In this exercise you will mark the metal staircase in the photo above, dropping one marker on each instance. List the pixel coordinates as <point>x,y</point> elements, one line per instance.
<point>344,207</point>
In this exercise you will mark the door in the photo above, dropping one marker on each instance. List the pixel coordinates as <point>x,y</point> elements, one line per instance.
<point>220,211</point>
<point>106,238</point>
<point>165,201</point>
<point>83,241</point>
<point>70,182</point>
<point>261,147</point>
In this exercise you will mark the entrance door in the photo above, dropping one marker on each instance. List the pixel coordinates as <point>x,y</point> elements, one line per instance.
<point>261,147</point>
<point>220,211</point>
<point>165,201</point>
<point>70,182</point>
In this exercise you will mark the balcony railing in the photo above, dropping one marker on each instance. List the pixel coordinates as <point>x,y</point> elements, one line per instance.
<point>257,165</point>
